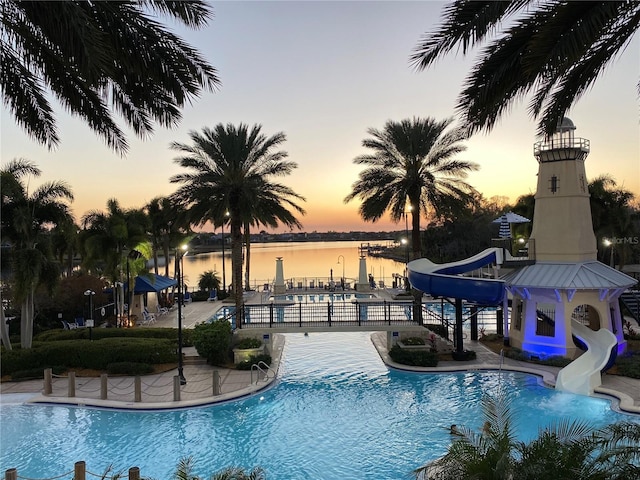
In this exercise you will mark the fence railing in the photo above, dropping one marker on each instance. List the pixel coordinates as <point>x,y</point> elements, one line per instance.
<point>322,314</point>
<point>79,472</point>
<point>131,388</point>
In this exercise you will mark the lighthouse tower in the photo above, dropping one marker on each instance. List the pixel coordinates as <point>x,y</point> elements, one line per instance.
<point>566,291</point>
<point>562,227</point>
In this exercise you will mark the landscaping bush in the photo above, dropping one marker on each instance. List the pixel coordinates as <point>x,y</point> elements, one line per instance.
<point>213,341</point>
<point>254,359</point>
<point>100,333</point>
<point>247,343</point>
<point>418,358</point>
<point>129,368</point>
<point>629,364</point>
<point>94,355</point>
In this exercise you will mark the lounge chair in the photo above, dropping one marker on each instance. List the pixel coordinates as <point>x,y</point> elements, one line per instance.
<point>79,322</point>
<point>187,298</point>
<point>213,296</point>
<point>68,326</point>
<point>147,317</point>
<point>162,310</point>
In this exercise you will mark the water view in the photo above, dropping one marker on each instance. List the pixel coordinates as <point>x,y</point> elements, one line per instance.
<point>302,261</point>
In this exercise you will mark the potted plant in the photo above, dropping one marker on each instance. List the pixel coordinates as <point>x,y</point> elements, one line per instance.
<point>247,348</point>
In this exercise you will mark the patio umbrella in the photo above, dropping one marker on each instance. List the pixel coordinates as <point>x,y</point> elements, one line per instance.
<point>505,222</point>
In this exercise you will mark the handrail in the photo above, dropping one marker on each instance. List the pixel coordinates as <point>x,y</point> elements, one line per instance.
<point>261,367</point>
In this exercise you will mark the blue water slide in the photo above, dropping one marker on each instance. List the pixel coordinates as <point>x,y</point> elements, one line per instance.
<point>446,280</point>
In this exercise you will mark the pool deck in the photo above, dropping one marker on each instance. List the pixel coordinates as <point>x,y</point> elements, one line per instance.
<point>157,391</point>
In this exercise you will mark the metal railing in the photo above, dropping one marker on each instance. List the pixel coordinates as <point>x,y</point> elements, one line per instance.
<point>321,314</point>
<point>261,368</point>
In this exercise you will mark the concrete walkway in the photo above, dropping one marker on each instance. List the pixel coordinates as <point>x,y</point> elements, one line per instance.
<point>157,391</point>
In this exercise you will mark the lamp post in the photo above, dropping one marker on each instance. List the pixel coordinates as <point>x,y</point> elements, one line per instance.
<point>339,257</point>
<point>405,242</point>
<point>608,243</point>
<point>90,294</point>
<point>180,276</point>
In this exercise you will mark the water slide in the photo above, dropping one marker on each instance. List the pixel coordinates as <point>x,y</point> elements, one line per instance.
<point>582,375</point>
<point>445,280</point>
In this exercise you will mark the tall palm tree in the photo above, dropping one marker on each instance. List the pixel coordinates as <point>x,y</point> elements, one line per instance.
<point>411,168</point>
<point>90,54</point>
<point>553,50</point>
<point>230,170</point>
<point>27,218</point>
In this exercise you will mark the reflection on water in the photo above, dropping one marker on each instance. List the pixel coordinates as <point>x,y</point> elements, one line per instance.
<point>302,262</point>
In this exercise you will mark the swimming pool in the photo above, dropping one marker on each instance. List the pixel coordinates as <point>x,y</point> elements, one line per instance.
<point>336,412</point>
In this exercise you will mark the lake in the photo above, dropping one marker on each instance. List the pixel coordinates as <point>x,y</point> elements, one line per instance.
<point>302,262</point>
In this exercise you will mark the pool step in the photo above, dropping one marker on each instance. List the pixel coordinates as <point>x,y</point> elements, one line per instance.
<point>194,360</point>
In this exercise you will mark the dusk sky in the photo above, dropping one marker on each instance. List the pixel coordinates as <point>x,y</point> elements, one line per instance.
<point>323,73</point>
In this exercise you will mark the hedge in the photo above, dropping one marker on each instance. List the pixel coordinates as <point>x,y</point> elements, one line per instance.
<point>418,358</point>
<point>100,333</point>
<point>96,355</point>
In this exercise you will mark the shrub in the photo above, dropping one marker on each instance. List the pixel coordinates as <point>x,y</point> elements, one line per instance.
<point>418,358</point>
<point>246,365</point>
<point>247,343</point>
<point>213,341</point>
<point>129,368</point>
<point>94,355</point>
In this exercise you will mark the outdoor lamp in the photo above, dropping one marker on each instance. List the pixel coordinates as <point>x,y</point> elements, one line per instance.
<point>180,276</point>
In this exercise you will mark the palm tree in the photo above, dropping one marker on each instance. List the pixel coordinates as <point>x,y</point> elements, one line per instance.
<point>169,228</point>
<point>184,471</point>
<point>208,281</point>
<point>27,218</point>
<point>566,450</point>
<point>612,214</point>
<point>88,53</point>
<point>64,240</point>
<point>554,50</point>
<point>268,211</point>
<point>412,167</point>
<point>106,236</point>
<point>230,171</point>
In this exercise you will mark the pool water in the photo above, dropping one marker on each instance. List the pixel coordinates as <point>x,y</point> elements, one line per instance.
<point>335,412</point>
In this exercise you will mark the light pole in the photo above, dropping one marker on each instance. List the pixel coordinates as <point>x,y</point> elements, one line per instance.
<point>180,275</point>
<point>609,243</point>
<point>89,323</point>
<point>343,279</point>
<point>405,242</point>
